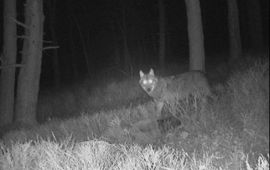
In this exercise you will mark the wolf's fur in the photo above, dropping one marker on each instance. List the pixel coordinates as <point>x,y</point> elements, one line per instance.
<point>174,88</point>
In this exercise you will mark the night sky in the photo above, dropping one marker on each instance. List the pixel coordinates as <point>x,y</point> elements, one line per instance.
<point>92,29</point>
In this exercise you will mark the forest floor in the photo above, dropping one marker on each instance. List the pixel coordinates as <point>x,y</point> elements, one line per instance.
<point>113,126</point>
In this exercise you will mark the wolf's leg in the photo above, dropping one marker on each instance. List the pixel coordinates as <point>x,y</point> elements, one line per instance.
<point>159,107</point>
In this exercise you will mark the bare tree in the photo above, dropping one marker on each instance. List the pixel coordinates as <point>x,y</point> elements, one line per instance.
<point>162,34</point>
<point>195,35</point>
<point>8,61</point>
<point>234,30</point>
<point>29,76</point>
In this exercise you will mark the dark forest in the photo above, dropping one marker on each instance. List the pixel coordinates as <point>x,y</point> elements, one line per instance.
<point>134,84</point>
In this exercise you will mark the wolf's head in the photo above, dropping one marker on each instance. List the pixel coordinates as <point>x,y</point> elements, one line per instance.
<point>148,81</point>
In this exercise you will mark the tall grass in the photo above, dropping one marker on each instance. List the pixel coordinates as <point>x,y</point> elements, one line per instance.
<point>232,131</point>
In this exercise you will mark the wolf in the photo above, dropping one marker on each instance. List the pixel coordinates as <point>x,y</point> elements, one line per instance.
<point>173,91</point>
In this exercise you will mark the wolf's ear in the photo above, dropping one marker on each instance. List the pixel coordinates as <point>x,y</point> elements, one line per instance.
<point>141,74</point>
<point>151,72</point>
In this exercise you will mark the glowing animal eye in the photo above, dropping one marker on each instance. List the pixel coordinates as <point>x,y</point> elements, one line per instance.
<point>144,81</point>
<point>150,81</point>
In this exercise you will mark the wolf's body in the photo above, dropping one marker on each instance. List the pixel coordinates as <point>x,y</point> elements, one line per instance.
<point>170,90</point>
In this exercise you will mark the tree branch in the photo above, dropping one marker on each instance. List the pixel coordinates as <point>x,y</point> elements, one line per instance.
<point>20,23</point>
<point>51,47</point>
<point>11,65</point>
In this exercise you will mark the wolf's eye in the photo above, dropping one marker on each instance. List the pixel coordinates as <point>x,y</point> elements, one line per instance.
<point>150,81</point>
<point>144,81</point>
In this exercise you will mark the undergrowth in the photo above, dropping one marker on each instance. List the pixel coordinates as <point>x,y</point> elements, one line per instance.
<point>233,132</point>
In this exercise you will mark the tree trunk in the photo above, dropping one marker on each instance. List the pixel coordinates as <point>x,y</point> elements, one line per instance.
<point>29,76</point>
<point>195,35</point>
<point>127,60</point>
<point>234,30</point>
<point>8,61</point>
<point>74,67</point>
<point>162,34</point>
<point>55,58</point>
<point>255,26</point>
